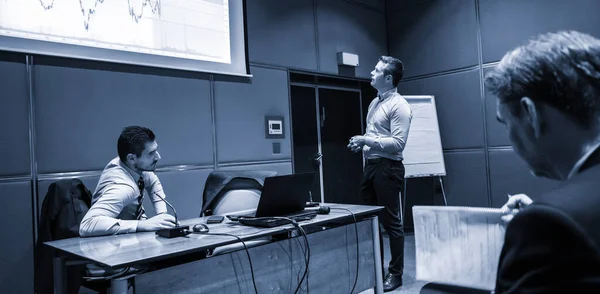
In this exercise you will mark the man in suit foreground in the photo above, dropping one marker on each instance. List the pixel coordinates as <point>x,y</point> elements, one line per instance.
<point>548,97</point>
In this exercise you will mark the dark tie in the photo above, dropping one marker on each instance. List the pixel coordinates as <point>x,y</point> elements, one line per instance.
<point>140,210</point>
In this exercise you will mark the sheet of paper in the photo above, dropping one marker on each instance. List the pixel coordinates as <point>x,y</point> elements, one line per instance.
<point>458,245</point>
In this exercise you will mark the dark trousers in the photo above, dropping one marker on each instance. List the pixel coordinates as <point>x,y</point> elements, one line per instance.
<point>382,185</point>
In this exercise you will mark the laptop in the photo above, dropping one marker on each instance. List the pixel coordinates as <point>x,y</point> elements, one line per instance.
<point>282,196</point>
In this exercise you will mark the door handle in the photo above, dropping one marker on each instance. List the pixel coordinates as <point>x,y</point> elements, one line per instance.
<point>322,116</point>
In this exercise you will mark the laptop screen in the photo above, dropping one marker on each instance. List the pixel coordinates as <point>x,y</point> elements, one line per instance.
<point>283,195</point>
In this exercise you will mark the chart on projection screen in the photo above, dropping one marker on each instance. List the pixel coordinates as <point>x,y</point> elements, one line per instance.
<point>191,29</point>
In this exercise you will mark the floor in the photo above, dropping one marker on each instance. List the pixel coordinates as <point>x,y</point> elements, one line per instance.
<point>410,285</point>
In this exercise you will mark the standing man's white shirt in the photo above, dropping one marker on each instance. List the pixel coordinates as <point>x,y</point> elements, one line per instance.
<point>116,200</point>
<point>388,124</point>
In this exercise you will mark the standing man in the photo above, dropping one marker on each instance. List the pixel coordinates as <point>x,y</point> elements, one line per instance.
<point>117,202</point>
<point>548,98</point>
<point>388,123</point>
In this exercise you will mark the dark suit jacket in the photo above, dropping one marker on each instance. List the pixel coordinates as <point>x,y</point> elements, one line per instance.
<point>552,246</point>
<point>64,206</point>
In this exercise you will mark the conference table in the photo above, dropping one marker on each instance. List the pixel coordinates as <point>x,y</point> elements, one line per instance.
<point>277,265</point>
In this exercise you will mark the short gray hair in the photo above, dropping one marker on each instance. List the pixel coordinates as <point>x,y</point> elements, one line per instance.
<point>561,69</point>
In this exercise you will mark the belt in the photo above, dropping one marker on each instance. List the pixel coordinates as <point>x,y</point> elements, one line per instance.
<point>379,160</point>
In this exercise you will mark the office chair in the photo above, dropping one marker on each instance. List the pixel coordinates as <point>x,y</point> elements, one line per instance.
<point>219,183</point>
<point>64,206</point>
<point>101,281</point>
<point>231,192</point>
<point>236,200</point>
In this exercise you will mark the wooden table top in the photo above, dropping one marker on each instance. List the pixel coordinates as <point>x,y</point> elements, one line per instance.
<point>122,250</point>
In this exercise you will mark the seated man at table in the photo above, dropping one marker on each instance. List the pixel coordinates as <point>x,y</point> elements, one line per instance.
<point>117,201</point>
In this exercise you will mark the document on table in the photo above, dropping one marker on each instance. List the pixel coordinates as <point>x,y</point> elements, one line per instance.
<point>458,245</point>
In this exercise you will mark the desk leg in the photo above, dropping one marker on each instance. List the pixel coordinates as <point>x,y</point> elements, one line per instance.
<point>377,253</point>
<point>60,278</point>
<point>118,286</point>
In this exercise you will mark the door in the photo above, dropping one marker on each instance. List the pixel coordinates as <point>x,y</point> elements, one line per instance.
<point>368,94</point>
<point>340,119</point>
<point>305,140</point>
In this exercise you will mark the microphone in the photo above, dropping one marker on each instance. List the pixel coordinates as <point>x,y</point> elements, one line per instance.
<point>316,162</point>
<point>169,204</point>
<point>177,231</point>
<point>323,210</point>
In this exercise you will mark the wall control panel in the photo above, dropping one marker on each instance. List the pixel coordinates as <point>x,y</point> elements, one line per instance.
<point>274,127</point>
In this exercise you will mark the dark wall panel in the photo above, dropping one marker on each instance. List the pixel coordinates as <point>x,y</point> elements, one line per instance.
<point>465,183</point>
<point>240,110</point>
<point>282,33</point>
<point>496,131</point>
<point>14,119</point>
<point>433,36</point>
<point>80,114</point>
<point>16,249</point>
<point>509,23</point>
<point>183,190</point>
<point>419,191</point>
<point>375,4</point>
<point>509,174</point>
<point>348,27</point>
<point>458,103</point>
<point>282,168</point>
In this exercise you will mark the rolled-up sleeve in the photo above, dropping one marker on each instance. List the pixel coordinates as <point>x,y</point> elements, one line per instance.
<point>400,118</point>
<point>102,219</point>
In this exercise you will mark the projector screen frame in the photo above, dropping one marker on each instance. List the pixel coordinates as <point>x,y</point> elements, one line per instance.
<point>63,50</point>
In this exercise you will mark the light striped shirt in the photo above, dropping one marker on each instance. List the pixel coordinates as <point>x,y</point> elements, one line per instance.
<point>115,201</point>
<point>388,124</point>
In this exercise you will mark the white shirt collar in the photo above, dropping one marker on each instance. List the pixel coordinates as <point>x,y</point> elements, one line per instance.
<point>583,159</point>
<point>132,172</point>
<point>387,94</point>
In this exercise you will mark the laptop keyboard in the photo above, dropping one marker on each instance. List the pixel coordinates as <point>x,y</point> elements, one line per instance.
<point>250,219</point>
<point>294,216</point>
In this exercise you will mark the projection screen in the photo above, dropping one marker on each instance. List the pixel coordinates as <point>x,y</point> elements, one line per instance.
<point>196,35</point>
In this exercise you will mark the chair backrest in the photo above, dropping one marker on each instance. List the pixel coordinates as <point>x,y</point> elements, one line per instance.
<point>229,191</point>
<point>66,203</point>
<point>237,200</point>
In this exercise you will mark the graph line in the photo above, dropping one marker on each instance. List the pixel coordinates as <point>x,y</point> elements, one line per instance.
<point>89,12</point>
<point>155,9</point>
